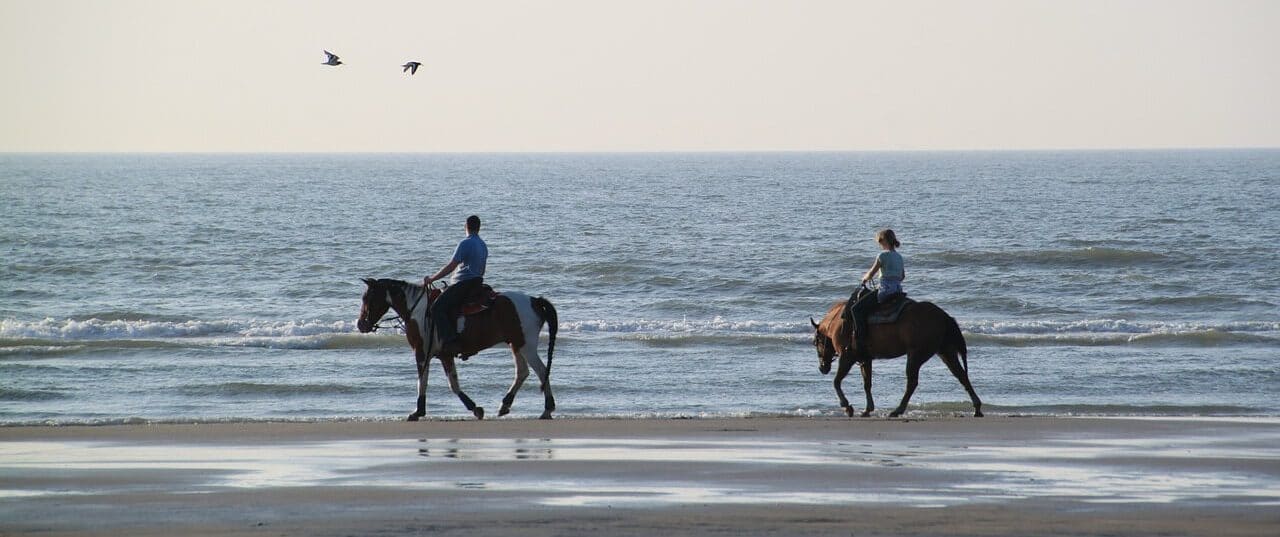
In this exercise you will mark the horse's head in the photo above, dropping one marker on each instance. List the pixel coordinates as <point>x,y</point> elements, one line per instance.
<point>826,349</point>
<point>373,305</point>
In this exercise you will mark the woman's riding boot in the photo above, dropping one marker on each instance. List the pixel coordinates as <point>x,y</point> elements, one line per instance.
<point>862,348</point>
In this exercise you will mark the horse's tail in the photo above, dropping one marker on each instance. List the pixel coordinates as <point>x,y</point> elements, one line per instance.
<point>548,314</point>
<point>954,340</point>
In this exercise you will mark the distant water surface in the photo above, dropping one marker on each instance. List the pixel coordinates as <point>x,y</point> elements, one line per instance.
<point>225,287</point>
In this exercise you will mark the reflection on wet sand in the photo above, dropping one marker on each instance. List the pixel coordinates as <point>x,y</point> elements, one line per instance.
<point>454,449</point>
<point>638,472</point>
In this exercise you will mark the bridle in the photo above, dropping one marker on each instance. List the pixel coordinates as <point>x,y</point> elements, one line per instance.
<point>385,322</point>
<point>824,345</point>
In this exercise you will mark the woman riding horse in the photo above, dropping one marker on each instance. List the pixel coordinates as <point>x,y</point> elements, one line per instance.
<point>892,271</point>
<point>921,331</point>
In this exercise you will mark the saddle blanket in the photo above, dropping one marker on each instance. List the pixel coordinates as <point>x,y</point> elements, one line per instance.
<point>889,312</point>
<point>479,302</point>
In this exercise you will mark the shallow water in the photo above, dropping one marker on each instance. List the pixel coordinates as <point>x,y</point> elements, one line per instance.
<point>225,287</point>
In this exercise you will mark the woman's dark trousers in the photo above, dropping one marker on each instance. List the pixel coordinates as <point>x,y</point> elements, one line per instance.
<point>857,311</point>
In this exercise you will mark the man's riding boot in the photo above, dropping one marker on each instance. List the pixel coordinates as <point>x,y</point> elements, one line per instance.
<point>445,310</point>
<point>449,349</point>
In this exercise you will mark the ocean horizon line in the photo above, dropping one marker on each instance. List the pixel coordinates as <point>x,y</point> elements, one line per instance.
<point>217,152</point>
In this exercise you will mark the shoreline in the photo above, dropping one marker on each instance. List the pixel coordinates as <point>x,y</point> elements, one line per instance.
<point>924,412</point>
<point>821,426</point>
<point>784,476</point>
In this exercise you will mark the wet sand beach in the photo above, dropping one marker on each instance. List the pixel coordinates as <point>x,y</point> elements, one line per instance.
<point>758,476</point>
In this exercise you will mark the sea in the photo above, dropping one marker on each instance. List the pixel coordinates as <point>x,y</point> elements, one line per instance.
<point>180,288</point>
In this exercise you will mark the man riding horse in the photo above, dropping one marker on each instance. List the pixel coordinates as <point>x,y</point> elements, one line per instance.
<point>467,266</point>
<point>510,318</point>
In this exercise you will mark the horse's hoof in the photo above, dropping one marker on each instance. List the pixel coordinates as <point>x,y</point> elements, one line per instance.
<point>504,411</point>
<point>894,414</point>
<point>977,413</point>
<point>545,416</point>
<point>413,417</point>
<point>848,411</point>
<point>479,412</point>
<point>866,413</point>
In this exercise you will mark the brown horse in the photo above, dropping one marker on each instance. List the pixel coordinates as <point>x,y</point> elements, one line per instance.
<point>514,319</point>
<point>921,331</point>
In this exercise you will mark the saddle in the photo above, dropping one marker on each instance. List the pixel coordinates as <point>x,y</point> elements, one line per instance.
<point>890,310</point>
<point>477,302</point>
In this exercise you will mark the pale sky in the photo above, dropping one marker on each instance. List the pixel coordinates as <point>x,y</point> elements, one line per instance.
<point>599,75</point>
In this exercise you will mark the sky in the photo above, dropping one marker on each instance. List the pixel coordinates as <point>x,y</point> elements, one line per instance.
<point>652,75</point>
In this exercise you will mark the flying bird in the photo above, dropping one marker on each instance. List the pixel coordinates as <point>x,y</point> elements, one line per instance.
<point>411,67</point>
<point>333,59</point>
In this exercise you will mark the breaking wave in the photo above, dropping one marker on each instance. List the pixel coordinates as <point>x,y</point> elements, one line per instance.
<point>1095,332</point>
<point>51,337</point>
<point>1104,332</point>
<point>117,328</point>
<point>715,324</point>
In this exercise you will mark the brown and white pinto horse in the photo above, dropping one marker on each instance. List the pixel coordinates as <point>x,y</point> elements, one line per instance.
<point>921,331</point>
<point>515,319</point>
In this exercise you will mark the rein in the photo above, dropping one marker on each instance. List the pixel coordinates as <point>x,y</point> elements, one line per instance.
<point>399,323</point>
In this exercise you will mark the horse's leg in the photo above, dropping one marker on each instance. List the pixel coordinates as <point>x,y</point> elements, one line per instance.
<point>866,386</point>
<point>450,369</point>
<point>953,363</point>
<point>522,372</point>
<point>846,363</point>
<point>914,361</point>
<point>530,354</point>
<point>422,363</point>
<point>524,324</point>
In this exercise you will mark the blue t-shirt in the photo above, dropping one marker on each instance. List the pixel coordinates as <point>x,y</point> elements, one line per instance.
<point>471,254</point>
<point>891,266</point>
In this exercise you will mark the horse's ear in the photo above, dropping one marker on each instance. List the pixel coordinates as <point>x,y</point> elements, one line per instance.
<point>367,281</point>
<point>815,325</point>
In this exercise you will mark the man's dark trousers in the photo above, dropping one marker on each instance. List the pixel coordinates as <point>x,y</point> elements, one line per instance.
<point>444,311</point>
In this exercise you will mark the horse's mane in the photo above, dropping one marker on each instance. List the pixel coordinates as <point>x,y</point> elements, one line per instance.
<point>400,284</point>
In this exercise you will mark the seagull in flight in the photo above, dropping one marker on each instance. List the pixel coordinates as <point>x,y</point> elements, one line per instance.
<point>333,59</point>
<point>411,67</point>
